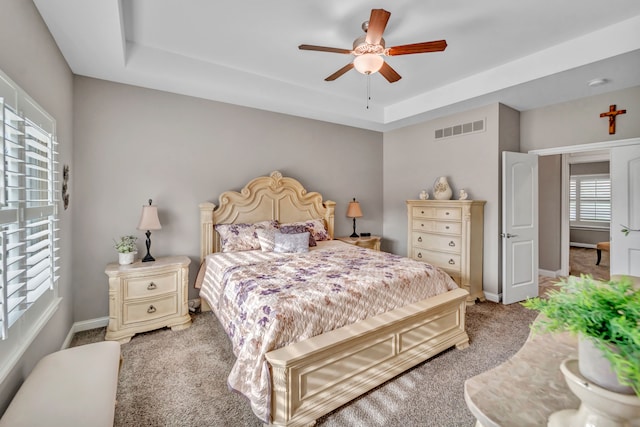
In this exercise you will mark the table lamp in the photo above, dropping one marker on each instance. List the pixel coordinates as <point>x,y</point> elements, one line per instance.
<point>149,221</point>
<point>354,211</point>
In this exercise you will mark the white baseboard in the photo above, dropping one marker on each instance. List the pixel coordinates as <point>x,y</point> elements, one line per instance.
<point>549,273</point>
<point>582,245</point>
<point>85,325</point>
<point>492,297</point>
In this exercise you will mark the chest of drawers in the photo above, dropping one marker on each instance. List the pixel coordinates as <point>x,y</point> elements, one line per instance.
<point>147,295</point>
<point>449,235</point>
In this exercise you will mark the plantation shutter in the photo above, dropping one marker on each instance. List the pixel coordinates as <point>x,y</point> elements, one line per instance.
<point>29,252</point>
<point>590,199</point>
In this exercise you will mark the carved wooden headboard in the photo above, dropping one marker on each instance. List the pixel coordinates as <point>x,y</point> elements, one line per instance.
<point>263,198</point>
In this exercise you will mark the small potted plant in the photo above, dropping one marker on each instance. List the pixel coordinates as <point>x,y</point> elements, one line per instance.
<point>606,318</point>
<point>126,248</point>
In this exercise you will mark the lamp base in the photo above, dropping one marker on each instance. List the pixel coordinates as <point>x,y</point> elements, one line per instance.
<point>354,229</point>
<point>148,258</point>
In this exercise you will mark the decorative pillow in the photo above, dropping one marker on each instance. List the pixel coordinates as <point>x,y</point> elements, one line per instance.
<point>316,228</point>
<point>242,237</point>
<point>295,229</point>
<point>291,243</point>
<point>267,239</point>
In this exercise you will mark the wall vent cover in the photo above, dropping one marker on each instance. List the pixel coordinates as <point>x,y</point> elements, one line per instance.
<point>461,129</point>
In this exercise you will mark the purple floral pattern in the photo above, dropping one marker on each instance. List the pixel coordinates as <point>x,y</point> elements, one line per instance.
<point>270,300</point>
<point>316,227</point>
<point>242,237</point>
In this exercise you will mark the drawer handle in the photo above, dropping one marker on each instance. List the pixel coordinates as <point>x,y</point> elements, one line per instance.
<point>420,239</point>
<point>151,309</point>
<point>447,227</point>
<point>422,212</point>
<point>452,262</point>
<point>446,213</point>
<point>452,244</point>
<point>151,286</point>
<point>419,254</point>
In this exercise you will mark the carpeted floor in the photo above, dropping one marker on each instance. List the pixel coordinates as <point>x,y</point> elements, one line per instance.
<point>179,378</point>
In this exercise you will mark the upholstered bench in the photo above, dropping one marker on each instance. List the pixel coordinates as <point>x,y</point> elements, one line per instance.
<point>602,246</point>
<point>72,387</point>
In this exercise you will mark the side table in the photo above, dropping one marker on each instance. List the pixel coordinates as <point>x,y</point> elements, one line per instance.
<point>370,242</point>
<point>147,295</point>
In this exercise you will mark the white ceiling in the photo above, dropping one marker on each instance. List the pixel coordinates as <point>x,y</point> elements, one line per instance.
<point>526,53</point>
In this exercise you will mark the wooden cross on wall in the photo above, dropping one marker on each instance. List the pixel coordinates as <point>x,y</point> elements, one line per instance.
<point>612,113</point>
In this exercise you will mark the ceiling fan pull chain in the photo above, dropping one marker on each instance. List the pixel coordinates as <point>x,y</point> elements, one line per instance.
<point>368,89</point>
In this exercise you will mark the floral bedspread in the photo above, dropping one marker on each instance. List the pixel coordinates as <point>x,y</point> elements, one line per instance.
<point>266,300</point>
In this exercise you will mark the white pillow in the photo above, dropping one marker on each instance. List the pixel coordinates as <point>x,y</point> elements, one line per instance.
<point>291,243</point>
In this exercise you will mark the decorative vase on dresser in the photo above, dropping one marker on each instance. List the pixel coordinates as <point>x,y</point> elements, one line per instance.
<point>147,295</point>
<point>449,235</point>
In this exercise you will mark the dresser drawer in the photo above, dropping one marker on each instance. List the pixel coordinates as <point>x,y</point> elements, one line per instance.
<point>141,311</point>
<point>439,259</point>
<point>437,212</point>
<point>437,226</point>
<point>150,286</point>
<point>437,242</point>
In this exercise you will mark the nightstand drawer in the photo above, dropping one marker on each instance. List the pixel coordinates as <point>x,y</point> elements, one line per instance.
<point>141,311</point>
<point>151,285</point>
<point>437,242</point>
<point>437,226</point>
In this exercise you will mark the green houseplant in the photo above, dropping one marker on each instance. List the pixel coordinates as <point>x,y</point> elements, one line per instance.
<point>606,313</point>
<point>126,248</point>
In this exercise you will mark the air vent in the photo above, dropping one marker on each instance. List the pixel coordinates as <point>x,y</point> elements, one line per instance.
<point>462,129</point>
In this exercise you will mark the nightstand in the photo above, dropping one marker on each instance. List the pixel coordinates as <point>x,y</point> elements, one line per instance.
<point>147,295</point>
<point>370,242</point>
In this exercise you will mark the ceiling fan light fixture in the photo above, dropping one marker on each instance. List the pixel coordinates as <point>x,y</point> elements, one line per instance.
<point>369,63</point>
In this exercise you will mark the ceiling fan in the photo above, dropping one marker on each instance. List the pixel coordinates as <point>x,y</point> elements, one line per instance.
<point>369,48</point>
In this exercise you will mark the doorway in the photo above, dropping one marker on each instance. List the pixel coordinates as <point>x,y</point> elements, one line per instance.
<point>556,244</point>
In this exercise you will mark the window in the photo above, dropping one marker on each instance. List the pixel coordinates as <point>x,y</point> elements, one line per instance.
<point>29,234</point>
<point>590,200</point>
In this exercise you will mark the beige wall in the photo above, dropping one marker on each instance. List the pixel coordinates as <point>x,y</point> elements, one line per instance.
<point>30,57</point>
<point>413,159</point>
<point>579,121</point>
<point>134,144</point>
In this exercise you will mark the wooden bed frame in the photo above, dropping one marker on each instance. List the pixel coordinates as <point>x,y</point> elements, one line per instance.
<point>315,376</point>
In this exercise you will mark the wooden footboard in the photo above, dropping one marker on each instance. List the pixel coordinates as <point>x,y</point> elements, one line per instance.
<point>315,376</point>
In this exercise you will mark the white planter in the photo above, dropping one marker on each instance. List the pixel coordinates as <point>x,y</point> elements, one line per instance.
<point>126,258</point>
<point>595,367</point>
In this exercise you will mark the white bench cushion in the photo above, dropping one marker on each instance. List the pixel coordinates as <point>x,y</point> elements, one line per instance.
<point>72,387</point>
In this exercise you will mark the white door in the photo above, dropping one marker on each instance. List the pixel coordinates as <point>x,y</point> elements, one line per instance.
<point>519,226</point>
<point>625,210</point>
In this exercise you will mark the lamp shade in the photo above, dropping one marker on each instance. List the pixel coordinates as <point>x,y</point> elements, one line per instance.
<point>368,63</point>
<point>149,218</point>
<point>353,210</point>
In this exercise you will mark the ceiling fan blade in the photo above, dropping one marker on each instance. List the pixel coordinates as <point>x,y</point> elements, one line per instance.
<point>323,48</point>
<point>424,47</point>
<point>340,72</point>
<point>377,24</point>
<point>389,73</point>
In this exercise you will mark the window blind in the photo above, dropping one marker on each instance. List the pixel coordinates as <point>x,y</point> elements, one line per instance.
<point>590,200</point>
<point>29,227</point>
